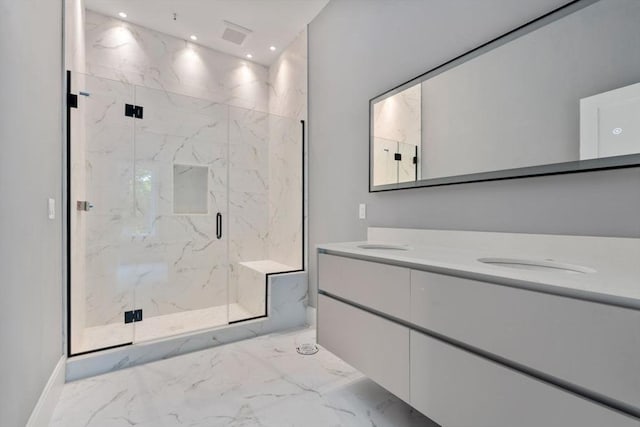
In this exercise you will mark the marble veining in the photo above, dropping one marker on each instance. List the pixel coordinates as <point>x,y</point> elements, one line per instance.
<point>397,129</point>
<point>287,105</point>
<point>398,117</point>
<point>133,54</point>
<point>162,326</point>
<point>203,109</point>
<point>257,382</point>
<point>288,81</point>
<point>135,241</point>
<point>139,251</point>
<point>287,300</point>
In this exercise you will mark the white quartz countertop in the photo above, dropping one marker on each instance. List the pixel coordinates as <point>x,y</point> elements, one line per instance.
<point>616,279</point>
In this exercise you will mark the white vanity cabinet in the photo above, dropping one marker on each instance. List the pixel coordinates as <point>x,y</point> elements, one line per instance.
<point>381,287</point>
<point>376,346</point>
<point>457,388</point>
<point>591,345</point>
<point>477,354</point>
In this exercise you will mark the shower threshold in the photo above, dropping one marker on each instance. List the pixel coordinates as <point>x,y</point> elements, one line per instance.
<point>161,337</point>
<point>160,327</point>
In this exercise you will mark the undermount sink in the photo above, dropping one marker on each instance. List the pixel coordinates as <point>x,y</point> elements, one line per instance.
<point>383,246</point>
<point>537,265</point>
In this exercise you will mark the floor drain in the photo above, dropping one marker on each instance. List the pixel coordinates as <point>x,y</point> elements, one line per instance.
<point>307,349</point>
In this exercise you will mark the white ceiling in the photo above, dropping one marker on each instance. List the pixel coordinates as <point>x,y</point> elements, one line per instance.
<point>273,22</point>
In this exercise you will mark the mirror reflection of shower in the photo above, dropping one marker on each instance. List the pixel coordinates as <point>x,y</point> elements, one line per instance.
<point>397,137</point>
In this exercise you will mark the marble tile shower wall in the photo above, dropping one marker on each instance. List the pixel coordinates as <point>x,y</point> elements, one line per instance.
<point>285,192</point>
<point>287,98</point>
<point>107,179</point>
<point>183,263</point>
<point>123,51</point>
<point>397,129</point>
<point>398,118</point>
<point>248,190</point>
<point>134,239</point>
<point>173,262</point>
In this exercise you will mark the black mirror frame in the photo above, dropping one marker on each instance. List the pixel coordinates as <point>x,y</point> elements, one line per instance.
<point>626,161</point>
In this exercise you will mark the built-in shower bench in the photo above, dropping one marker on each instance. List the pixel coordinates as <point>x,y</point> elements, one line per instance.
<point>252,286</point>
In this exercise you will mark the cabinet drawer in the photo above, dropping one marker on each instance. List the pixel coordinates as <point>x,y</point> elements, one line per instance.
<point>457,388</point>
<point>375,346</point>
<point>382,287</point>
<point>595,346</point>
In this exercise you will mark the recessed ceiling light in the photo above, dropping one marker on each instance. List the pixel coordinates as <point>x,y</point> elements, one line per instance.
<point>249,56</point>
<point>193,37</point>
<point>122,14</point>
<point>272,48</point>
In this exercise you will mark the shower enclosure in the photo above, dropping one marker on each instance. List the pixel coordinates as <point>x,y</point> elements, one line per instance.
<point>179,207</point>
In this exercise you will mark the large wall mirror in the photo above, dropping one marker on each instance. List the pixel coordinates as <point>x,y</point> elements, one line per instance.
<point>558,95</point>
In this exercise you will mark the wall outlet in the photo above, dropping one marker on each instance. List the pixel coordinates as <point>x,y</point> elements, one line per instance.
<point>362,211</point>
<point>52,208</point>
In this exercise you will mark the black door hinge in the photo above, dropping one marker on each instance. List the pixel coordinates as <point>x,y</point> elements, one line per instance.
<point>72,100</point>
<point>397,156</point>
<point>133,316</point>
<point>415,160</point>
<point>134,111</point>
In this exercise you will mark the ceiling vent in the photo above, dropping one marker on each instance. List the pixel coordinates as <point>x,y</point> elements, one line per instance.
<point>235,33</point>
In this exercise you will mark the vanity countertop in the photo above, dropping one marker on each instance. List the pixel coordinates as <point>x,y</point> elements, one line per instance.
<point>616,279</point>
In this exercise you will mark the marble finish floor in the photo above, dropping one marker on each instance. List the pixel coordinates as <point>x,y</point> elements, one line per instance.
<point>158,327</point>
<point>258,382</point>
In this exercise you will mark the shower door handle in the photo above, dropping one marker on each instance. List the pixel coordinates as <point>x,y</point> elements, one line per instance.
<point>219,225</point>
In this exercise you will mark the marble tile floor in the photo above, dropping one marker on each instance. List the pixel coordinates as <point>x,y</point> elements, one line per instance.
<point>260,382</point>
<point>153,328</point>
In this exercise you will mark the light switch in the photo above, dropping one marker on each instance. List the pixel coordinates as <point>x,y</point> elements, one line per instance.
<point>362,211</point>
<point>52,208</point>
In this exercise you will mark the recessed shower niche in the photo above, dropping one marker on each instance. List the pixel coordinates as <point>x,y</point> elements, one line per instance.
<point>190,189</point>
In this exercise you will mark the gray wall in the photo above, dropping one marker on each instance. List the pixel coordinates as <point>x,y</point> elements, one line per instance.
<point>361,48</point>
<point>520,102</point>
<point>30,173</point>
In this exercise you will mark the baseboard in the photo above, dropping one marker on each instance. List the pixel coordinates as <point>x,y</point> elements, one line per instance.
<point>43,411</point>
<point>311,316</point>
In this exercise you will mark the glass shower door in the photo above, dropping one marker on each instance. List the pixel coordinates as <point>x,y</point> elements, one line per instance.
<point>101,214</point>
<point>180,210</point>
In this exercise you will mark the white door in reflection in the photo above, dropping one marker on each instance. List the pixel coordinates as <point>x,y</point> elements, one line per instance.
<point>610,123</point>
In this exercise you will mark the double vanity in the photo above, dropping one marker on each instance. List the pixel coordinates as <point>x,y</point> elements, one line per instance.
<point>490,329</point>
